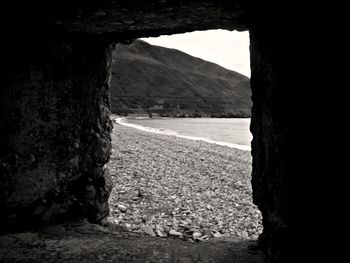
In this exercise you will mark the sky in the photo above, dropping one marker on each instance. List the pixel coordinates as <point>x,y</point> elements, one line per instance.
<point>229,49</point>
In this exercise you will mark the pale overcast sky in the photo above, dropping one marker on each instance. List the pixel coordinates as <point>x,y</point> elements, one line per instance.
<point>229,49</point>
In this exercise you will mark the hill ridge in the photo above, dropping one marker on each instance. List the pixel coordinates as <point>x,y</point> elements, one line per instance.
<point>148,78</point>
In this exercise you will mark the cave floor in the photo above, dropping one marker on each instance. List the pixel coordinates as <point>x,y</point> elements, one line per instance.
<point>94,243</point>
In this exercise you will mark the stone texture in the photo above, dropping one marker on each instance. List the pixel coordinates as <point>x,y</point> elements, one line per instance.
<point>137,18</point>
<point>55,133</point>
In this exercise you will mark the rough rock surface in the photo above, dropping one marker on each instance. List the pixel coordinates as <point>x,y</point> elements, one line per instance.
<point>93,243</point>
<point>276,151</point>
<point>55,130</point>
<point>114,18</point>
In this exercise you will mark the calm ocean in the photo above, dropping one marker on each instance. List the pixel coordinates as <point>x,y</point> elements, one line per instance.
<point>230,132</point>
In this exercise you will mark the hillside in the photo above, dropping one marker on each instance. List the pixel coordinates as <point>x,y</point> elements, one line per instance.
<point>153,79</point>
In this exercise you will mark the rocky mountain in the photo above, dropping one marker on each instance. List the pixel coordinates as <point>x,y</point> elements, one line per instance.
<point>153,79</point>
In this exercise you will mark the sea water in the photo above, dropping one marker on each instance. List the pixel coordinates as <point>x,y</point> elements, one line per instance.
<point>230,132</point>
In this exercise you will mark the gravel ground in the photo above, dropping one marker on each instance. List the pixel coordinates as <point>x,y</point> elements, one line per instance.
<point>168,186</point>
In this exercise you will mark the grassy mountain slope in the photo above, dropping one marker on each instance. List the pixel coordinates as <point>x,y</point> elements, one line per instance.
<point>155,79</point>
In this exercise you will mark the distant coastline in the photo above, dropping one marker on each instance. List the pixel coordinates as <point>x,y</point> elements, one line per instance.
<point>187,115</point>
<point>123,121</point>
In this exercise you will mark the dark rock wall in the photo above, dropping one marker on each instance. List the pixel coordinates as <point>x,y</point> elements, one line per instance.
<point>55,133</point>
<point>270,187</point>
<point>134,18</point>
<point>277,94</point>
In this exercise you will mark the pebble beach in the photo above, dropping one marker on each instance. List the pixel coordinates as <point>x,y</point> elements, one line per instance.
<point>167,186</point>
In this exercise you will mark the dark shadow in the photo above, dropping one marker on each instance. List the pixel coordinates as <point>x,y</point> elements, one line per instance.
<point>93,243</point>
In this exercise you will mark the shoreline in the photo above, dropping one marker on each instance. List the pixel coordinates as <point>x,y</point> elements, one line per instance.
<point>170,186</point>
<point>122,121</point>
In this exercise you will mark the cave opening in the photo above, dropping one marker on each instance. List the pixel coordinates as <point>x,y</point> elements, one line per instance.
<point>55,112</point>
<point>181,160</point>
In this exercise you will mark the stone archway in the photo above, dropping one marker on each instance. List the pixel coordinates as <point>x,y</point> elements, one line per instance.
<point>55,108</point>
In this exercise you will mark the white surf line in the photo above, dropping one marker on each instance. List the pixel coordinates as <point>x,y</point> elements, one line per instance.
<point>121,121</point>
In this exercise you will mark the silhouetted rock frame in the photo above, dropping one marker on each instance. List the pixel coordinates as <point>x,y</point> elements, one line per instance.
<point>55,127</point>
